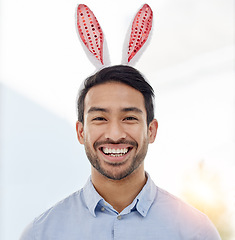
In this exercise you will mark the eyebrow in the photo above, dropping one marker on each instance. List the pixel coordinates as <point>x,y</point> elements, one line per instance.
<point>97,109</point>
<point>132,109</point>
<point>128,109</point>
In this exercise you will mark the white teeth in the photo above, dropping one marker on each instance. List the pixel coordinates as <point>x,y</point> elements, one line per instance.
<point>116,155</point>
<point>115,151</point>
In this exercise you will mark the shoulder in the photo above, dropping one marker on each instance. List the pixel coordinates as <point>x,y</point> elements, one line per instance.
<point>169,206</point>
<point>57,215</point>
<point>175,205</point>
<point>64,206</point>
<point>182,216</point>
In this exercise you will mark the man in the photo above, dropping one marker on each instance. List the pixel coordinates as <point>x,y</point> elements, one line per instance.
<point>120,201</point>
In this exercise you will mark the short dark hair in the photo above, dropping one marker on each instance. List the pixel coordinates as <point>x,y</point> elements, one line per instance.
<point>123,74</point>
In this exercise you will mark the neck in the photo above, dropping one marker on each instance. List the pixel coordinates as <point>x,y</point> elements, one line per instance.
<point>119,193</point>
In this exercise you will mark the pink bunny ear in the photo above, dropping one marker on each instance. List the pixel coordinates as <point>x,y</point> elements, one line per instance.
<point>90,31</point>
<point>141,28</point>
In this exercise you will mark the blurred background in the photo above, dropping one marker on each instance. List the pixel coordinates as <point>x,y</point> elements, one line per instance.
<point>189,62</point>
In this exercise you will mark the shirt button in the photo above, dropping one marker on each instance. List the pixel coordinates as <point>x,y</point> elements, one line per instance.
<point>119,217</point>
<point>102,209</point>
<point>105,204</point>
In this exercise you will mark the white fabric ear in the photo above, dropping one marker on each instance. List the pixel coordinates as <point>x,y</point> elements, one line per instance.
<point>92,36</point>
<point>139,33</point>
<point>95,46</point>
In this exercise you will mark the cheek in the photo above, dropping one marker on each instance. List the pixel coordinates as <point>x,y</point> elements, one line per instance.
<point>139,134</point>
<point>92,134</point>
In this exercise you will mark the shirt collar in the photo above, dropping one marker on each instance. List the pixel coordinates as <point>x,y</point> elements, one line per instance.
<point>142,202</point>
<point>146,197</point>
<point>91,197</point>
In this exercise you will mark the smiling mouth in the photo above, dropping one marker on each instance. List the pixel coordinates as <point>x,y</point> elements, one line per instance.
<point>119,152</point>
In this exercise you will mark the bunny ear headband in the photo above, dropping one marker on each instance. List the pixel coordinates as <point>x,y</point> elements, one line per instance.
<point>92,36</point>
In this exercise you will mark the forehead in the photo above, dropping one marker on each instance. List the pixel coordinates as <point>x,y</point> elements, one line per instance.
<point>114,95</point>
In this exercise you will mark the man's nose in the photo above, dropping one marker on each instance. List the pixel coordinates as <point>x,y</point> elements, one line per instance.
<point>115,131</point>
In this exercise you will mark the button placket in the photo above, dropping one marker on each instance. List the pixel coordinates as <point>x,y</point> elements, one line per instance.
<point>117,228</point>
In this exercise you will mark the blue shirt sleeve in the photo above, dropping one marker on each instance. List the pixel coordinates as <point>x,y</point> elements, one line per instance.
<point>28,233</point>
<point>211,232</point>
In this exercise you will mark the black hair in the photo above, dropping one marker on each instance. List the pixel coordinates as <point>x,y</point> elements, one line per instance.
<point>123,74</point>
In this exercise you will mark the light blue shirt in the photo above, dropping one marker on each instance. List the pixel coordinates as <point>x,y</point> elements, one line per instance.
<point>154,214</point>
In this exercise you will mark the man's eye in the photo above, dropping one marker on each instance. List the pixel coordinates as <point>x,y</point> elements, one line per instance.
<point>131,119</point>
<point>99,119</point>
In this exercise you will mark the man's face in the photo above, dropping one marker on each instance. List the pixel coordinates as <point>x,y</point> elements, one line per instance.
<point>115,132</point>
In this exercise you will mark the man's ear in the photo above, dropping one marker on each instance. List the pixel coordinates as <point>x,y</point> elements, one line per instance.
<point>80,132</point>
<point>153,126</point>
